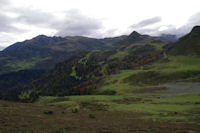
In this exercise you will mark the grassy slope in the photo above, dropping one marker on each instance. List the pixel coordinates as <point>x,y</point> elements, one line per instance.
<point>150,104</point>
<point>22,65</point>
<point>16,65</point>
<point>181,64</point>
<point>97,64</point>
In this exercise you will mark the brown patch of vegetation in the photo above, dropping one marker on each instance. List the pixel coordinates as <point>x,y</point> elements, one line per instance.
<point>150,90</point>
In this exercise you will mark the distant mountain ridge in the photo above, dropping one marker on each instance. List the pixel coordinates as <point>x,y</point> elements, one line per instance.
<point>43,52</point>
<point>169,37</point>
<point>36,41</point>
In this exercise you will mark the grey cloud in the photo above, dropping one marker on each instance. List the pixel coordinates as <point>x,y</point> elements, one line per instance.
<point>170,29</point>
<point>6,24</point>
<point>193,21</point>
<point>76,23</point>
<point>73,24</point>
<point>141,27</point>
<point>4,3</point>
<point>147,22</point>
<point>34,17</point>
<point>109,33</point>
<point>7,38</point>
<point>148,31</point>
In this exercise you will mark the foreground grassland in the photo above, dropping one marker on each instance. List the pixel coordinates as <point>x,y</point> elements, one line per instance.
<point>103,114</point>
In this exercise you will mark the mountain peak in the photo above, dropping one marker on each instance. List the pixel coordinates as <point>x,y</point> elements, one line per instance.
<point>196,30</point>
<point>134,37</point>
<point>188,44</point>
<point>135,33</point>
<point>40,36</point>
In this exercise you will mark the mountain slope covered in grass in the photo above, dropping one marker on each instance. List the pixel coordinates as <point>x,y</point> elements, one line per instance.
<point>138,63</point>
<point>83,73</point>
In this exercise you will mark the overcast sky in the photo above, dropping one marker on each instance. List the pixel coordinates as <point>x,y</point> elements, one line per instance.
<point>25,19</point>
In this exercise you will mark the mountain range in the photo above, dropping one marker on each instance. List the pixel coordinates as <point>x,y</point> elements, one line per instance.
<point>80,65</point>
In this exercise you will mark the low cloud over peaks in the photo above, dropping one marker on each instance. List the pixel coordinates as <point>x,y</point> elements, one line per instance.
<point>1,48</point>
<point>186,28</point>
<point>159,29</point>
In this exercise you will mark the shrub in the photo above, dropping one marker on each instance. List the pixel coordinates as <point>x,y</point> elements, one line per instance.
<point>94,106</point>
<point>48,112</point>
<point>109,92</point>
<point>91,116</point>
<point>62,112</point>
<point>28,96</point>
<point>75,110</point>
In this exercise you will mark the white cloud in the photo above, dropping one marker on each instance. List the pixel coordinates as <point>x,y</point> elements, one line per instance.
<point>159,28</point>
<point>1,48</point>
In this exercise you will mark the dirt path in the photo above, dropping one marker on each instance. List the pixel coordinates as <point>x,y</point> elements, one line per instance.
<point>181,88</point>
<point>173,89</point>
